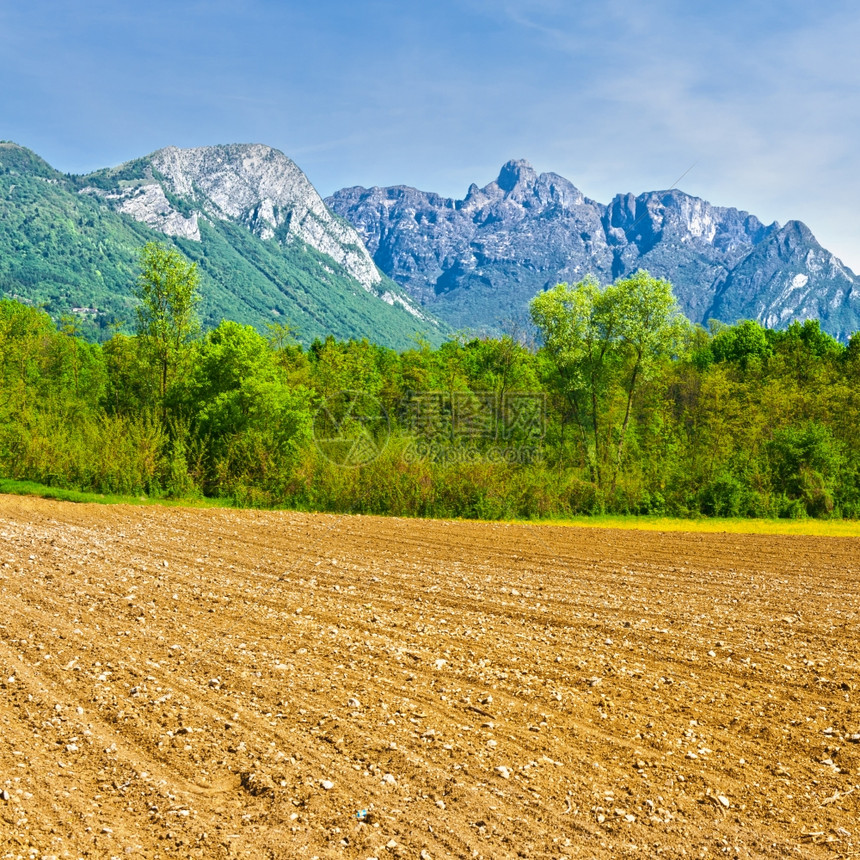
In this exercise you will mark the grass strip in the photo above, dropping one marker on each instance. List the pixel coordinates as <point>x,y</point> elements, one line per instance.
<point>814,527</point>
<point>60,494</point>
<point>713,525</point>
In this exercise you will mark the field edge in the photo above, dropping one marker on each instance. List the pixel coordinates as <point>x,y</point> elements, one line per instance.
<point>700,525</point>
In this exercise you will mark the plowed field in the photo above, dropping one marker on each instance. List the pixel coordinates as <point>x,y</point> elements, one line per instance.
<point>219,684</point>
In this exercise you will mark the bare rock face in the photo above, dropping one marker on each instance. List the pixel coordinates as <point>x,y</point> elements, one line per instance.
<point>149,204</point>
<point>477,262</point>
<point>790,276</point>
<point>533,227</point>
<point>263,189</point>
<point>682,238</point>
<point>249,184</point>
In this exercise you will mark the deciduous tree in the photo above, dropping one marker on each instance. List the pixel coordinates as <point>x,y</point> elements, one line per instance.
<point>168,293</point>
<point>603,339</point>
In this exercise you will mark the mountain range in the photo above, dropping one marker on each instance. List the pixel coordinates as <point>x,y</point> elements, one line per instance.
<point>389,264</point>
<point>477,262</point>
<point>268,249</point>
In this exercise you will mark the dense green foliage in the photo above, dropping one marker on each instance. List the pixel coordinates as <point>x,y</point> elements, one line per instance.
<point>595,337</point>
<point>64,248</point>
<point>626,408</point>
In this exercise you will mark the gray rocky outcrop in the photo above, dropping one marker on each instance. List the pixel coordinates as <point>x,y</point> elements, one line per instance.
<point>249,184</point>
<point>477,262</point>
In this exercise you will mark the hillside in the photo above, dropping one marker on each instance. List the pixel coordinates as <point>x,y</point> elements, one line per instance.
<point>477,262</point>
<point>269,250</point>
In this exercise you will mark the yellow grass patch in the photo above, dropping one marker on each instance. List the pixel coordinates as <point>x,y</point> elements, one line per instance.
<point>818,528</point>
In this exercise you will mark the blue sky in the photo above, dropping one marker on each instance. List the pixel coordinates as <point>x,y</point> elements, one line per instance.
<point>762,99</point>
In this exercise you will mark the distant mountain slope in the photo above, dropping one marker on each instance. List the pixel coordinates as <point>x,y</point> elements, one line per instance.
<point>790,276</point>
<point>477,262</point>
<point>268,248</point>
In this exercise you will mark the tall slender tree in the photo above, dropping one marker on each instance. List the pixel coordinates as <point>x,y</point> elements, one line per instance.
<point>167,323</point>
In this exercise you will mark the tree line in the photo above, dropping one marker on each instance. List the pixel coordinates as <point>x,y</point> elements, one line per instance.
<point>624,407</point>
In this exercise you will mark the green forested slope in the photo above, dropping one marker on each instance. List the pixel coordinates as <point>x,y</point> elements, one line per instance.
<point>65,250</point>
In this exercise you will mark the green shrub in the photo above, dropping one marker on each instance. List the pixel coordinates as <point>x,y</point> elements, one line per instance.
<point>806,463</point>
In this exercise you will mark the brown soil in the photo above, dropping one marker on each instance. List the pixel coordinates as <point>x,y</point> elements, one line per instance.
<point>218,683</point>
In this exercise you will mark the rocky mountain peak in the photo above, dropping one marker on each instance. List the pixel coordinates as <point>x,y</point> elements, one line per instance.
<point>238,178</point>
<point>519,186</point>
<point>517,175</point>
<point>478,262</point>
<point>267,247</point>
<point>251,184</point>
<point>796,233</point>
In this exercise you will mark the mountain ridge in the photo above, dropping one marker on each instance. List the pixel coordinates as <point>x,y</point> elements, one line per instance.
<point>457,256</point>
<point>268,248</point>
<point>386,262</point>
